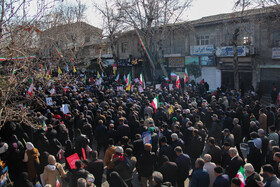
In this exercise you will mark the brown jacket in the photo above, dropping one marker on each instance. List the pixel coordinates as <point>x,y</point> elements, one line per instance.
<point>30,157</point>
<point>263,121</point>
<point>108,155</point>
<point>53,172</point>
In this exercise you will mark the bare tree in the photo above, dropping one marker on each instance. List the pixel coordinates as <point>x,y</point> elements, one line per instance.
<point>153,17</point>
<point>247,4</point>
<point>21,23</point>
<point>112,23</point>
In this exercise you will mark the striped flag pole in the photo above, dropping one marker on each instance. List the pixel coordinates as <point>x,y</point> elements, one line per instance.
<point>145,49</point>
<point>58,51</point>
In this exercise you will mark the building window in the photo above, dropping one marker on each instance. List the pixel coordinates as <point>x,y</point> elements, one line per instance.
<point>202,40</point>
<point>124,47</point>
<point>246,40</point>
<point>276,43</point>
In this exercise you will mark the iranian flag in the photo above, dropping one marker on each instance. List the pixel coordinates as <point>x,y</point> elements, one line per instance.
<point>128,82</point>
<point>155,103</point>
<point>30,89</point>
<point>45,128</point>
<point>117,78</point>
<point>52,90</point>
<point>3,59</point>
<point>124,77</point>
<point>173,75</point>
<point>57,182</point>
<point>142,81</point>
<point>241,175</point>
<point>166,78</point>
<point>186,78</point>
<point>178,82</point>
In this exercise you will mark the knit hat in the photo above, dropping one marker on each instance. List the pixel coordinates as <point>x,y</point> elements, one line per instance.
<point>119,149</point>
<point>29,146</point>
<point>151,129</point>
<point>148,147</point>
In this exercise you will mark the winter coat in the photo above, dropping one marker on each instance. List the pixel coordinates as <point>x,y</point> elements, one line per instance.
<point>216,153</point>
<point>146,164</point>
<point>53,172</point>
<point>263,121</point>
<point>31,156</point>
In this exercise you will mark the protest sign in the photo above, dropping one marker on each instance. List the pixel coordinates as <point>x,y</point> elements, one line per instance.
<point>141,89</point>
<point>72,159</point>
<point>147,138</point>
<point>120,88</point>
<point>158,86</point>
<point>64,109</point>
<point>49,101</point>
<point>170,86</point>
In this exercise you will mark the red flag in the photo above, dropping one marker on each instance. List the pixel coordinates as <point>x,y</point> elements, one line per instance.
<point>60,154</point>
<point>91,79</point>
<point>84,154</point>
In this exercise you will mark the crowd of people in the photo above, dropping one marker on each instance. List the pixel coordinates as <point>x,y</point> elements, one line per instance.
<point>213,139</point>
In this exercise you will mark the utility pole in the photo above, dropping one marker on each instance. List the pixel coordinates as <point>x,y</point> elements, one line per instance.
<point>235,59</point>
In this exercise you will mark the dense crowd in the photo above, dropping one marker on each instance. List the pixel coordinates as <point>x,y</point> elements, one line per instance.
<point>211,138</point>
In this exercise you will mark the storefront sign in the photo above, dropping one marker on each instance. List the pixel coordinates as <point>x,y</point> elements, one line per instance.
<point>207,61</point>
<point>202,50</point>
<point>228,51</point>
<point>176,62</point>
<point>276,53</point>
<point>191,59</point>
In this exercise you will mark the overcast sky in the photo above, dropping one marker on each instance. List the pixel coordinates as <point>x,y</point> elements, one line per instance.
<point>199,9</point>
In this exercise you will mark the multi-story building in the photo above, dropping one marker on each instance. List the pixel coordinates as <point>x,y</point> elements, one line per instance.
<point>77,41</point>
<point>209,43</point>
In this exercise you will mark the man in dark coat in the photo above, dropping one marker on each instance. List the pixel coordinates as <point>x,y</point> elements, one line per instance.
<point>225,156</point>
<point>168,170</point>
<point>196,147</point>
<point>183,162</point>
<point>222,180</point>
<point>123,129</point>
<point>252,177</point>
<point>216,130</point>
<point>80,142</point>
<point>237,133</point>
<point>96,167</point>
<point>200,176</point>
<point>166,149</point>
<point>138,146</point>
<point>265,143</point>
<point>101,136</point>
<point>235,163</point>
<point>176,141</point>
<point>146,164</point>
<point>79,172</point>
<point>167,133</point>
<point>214,151</point>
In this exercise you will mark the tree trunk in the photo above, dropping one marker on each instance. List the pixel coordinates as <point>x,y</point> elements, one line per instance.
<point>235,68</point>
<point>235,59</point>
